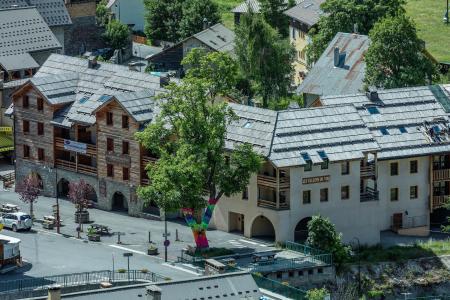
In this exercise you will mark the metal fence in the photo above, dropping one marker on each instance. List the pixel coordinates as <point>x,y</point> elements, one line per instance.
<point>279,288</point>
<point>77,279</point>
<point>304,249</point>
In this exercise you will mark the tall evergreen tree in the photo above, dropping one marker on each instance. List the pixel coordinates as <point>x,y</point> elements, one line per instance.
<point>396,55</point>
<point>195,13</point>
<point>272,11</point>
<point>163,19</point>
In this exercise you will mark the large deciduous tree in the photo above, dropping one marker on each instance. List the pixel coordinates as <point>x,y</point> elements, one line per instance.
<point>195,170</point>
<point>343,15</point>
<point>117,34</point>
<point>102,14</point>
<point>195,14</point>
<point>396,56</point>
<point>272,12</point>
<point>265,58</point>
<point>29,190</point>
<point>79,192</point>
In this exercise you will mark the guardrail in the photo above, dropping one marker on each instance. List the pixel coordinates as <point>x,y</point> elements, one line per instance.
<point>305,249</point>
<point>76,279</point>
<point>279,288</point>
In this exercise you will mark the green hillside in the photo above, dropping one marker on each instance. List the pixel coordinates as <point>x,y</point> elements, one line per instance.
<point>225,7</point>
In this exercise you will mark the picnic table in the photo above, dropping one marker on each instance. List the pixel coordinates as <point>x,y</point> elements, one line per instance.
<point>9,208</point>
<point>101,229</point>
<point>264,256</point>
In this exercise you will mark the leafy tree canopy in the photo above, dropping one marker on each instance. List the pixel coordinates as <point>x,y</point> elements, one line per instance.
<point>188,136</point>
<point>264,57</point>
<point>342,15</point>
<point>172,20</point>
<point>272,12</point>
<point>322,235</point>
<point>396,55</point>
<point>101,13</point>
<point>117,34</point>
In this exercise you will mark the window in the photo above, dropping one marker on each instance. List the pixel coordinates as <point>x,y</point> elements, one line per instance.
<point>310,272</point>
<point>394,194</point>
<point>345,168</point>
<point>26,151</point>
<point>345,192</point>
<point>109,118</point>
<point>293,33</point>
<point>40,104</point>
<point>373,110</point>
<point>413,192</point>
<point>41,155</point>
<point>125,147</point>
<point>394,169</point>
<point>25,101</point>
<point>26,126</point>
<point>307,159</point>
<point>384,131</point>
<point>125,123</point>
<point>413,166</point>
<point>306,197</point>
<point>245,194</point>
<point>301,34</point>
<point>324,195</point>
<point>110,144</point>
<point>126,174</point>
<point>40,128</point>
<point>109,170</point>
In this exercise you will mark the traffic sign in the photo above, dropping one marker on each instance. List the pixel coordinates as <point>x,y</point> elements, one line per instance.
<point>127,254</point>
<point>168,234</point>
<point>166,243</point>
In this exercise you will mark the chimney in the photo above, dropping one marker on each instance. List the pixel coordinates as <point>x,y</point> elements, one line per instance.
<point>355,28</point>
<point>164,81</point>
<point>336,57</point>
<point>92,62</point>
<point>54,292</point>
<point>372,95</point>
<point>205,24</point>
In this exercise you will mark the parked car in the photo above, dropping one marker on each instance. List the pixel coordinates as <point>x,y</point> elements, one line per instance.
<point>17,221</point>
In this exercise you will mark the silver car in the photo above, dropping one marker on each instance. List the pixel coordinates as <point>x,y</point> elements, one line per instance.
<point>17,221</point>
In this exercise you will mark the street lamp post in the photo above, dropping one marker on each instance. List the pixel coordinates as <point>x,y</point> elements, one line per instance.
<point>57,198</point>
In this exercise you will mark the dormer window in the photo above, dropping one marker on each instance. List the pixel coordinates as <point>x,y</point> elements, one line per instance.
<point>307,159</point>
<point>324,157</point>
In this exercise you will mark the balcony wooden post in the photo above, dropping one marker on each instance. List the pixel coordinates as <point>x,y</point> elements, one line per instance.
<point>278,188</point>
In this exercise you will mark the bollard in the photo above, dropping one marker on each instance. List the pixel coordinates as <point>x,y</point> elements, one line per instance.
<point>118,238</point>
<point>176,235</point>
<point>149,237</point>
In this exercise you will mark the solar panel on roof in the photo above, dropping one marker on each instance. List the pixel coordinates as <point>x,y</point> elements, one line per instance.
<point>84,99</point>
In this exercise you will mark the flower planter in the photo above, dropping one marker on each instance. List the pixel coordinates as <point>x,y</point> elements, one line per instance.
<point>152,251</point>
<point>94,238</point>
<point>84,216</point>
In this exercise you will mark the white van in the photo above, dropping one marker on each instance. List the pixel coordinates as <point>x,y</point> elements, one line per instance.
<point>9,253</point>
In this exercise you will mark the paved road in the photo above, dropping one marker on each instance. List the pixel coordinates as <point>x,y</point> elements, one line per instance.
<point>49,253</point>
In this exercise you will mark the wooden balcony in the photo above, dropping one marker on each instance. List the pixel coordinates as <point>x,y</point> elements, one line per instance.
<point>367,171</point>
<point>91,149</point>
<point>80,168</point>
<point>145,160</point>
<point>272,204</point>
<point>440,201</point>
<point>271,181</point>
<point>369,195</point>
<point>443,174</point>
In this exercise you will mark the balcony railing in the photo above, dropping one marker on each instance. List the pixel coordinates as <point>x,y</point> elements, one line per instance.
<point>271,181</point>
<point>440,201</point>
<point>145,160</point>
<point>367,171</point>
<point>272,204</point>
<point>91,149</point>
<point>369,195</point>
<point>71,166</point>
<point>443,174</point>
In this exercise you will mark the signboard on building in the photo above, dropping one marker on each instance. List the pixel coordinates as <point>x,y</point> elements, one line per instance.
<point>318,179</point>
<point>116,159</point>
<point>75,146</point>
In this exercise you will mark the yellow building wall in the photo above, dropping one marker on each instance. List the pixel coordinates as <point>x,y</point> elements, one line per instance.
<point>298,38</point>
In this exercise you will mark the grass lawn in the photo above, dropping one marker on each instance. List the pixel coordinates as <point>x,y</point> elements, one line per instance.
<point>402,253</point>
<point>428,15</point>
<point>225,7</point>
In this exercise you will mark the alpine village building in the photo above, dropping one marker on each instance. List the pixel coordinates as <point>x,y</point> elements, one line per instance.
<point>370,162</point>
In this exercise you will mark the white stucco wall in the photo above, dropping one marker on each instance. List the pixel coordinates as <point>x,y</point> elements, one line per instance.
<point>130,12</point>
<point>353,218</point>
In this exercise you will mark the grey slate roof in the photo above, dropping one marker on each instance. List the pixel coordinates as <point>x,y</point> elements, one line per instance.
<point>404,120</point>
<point>217,37</point>
<point>23,30</point>
<point>324,79</point>
<point>307,12</point>
<point>54,12</point>
<point>254,5</point>
<point>232,286</point>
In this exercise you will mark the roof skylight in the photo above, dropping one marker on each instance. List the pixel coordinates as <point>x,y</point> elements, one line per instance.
<point>248,124</point>
<point>403,129</point>
<point>384,131</point>
<point>373,110</point>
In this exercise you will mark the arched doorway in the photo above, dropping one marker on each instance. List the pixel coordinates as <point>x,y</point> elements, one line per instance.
<point>63,188</point>
<point>263,228</point>
<point>119,202</point>
<point>301,230</point>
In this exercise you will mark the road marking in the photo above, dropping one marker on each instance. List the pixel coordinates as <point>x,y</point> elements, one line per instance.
<point>130,250</point>
<point>181,269</point>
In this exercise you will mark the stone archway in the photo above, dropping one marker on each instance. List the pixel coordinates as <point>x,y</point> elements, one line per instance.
<point>119,202</point>
<point>63,188</point>
<point>301,230</point>
<point>263,228</point>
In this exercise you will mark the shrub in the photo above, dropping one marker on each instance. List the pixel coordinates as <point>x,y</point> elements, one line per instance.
<point>316,294</point>
<point>121,271</point>
<point>144,271</point>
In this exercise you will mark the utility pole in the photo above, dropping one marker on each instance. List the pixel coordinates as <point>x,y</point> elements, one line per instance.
<point>166,244</point>
<point>58,223</point>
